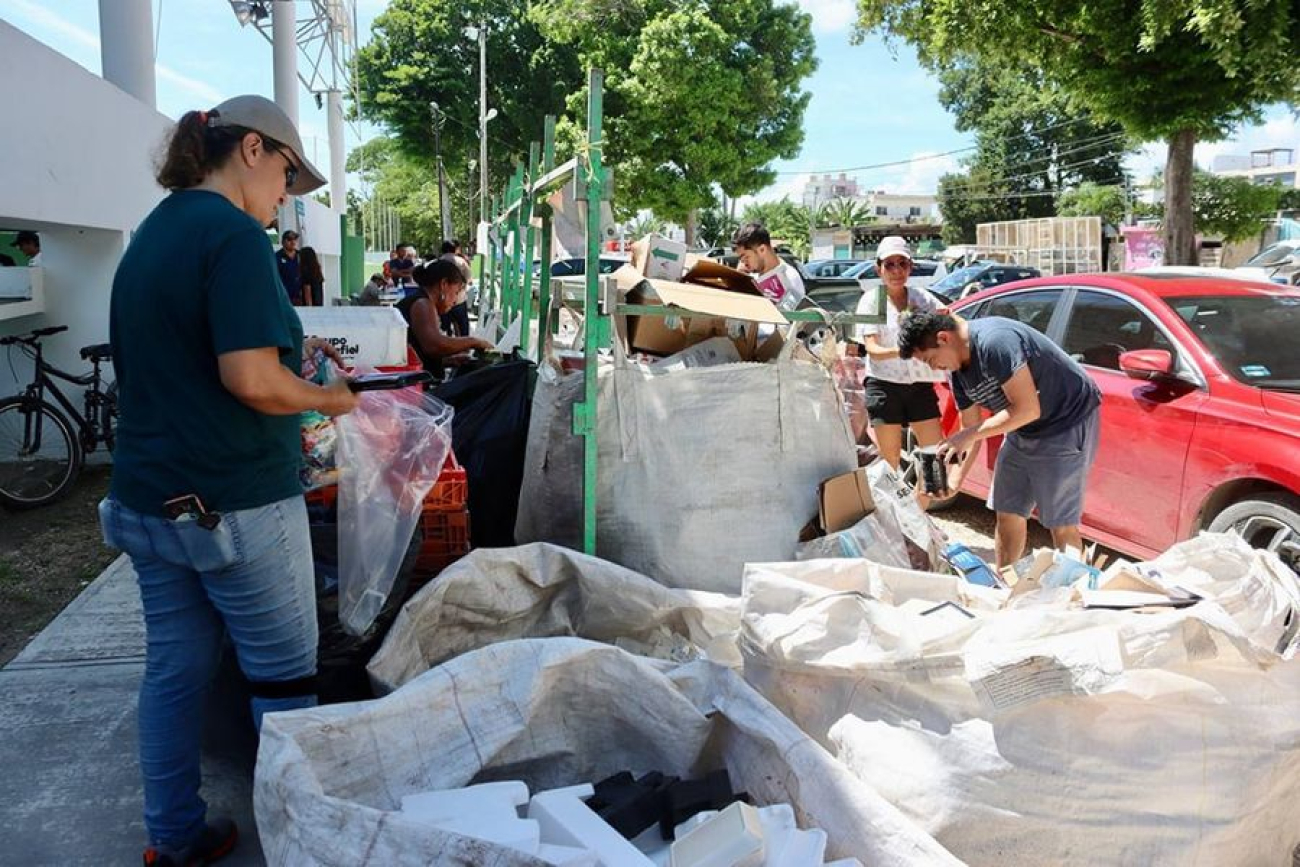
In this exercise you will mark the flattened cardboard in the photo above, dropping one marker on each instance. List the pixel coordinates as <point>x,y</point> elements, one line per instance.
<point>844,500</point>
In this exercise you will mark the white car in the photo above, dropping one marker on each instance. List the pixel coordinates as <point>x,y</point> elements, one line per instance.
<point>1276,263</point>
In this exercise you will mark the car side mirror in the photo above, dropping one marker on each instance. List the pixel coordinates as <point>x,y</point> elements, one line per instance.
<point>1147,363</point>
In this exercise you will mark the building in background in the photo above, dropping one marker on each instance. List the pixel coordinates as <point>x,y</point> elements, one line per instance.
<point>1271,166</point>
<point>822,189</point>
<point>902,207</point>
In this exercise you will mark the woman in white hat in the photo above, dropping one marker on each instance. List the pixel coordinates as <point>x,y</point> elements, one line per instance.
<point>205,496</point>
<point>899,393</point>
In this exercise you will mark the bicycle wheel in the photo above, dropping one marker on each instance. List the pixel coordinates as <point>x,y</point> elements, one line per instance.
<point>31,477</point>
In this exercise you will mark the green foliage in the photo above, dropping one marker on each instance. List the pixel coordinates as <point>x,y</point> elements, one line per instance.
<point>402,182</point>
<point>1232,207</point>
<point>715,227</point>
<point>696,94</point>
<point>785,221</point>
<point>643,224</point>
<point>983,195</point>
<point>1094,200</point>
<point>1289,200</point>
<point>844,213</point>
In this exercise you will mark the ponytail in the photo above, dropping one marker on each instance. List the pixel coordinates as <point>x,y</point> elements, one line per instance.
<point>195,149</point>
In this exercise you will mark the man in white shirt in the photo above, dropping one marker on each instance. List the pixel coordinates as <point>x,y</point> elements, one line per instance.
<point>30,244</point>
<point>778,279</point>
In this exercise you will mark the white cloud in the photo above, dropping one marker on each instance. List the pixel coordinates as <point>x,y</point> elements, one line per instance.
<point>920,176</point>
<point>41,17</point>
<point>830,16</point>
<point>786,186</point>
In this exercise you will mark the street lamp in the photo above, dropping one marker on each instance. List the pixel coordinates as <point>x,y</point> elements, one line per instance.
<point>484,115</point>
<point>444,206</point>
<point>249,11</point>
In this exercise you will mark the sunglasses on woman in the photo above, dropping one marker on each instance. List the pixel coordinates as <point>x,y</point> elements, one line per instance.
<point>290,170</point>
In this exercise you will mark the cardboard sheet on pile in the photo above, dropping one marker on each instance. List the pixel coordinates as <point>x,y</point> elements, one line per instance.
<point>1033,730</point>
<point>714,300</point>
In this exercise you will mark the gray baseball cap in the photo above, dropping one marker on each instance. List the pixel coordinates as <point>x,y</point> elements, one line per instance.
<point>262,115</point>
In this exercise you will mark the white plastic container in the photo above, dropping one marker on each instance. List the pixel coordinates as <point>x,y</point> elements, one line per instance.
<point>370,336</point>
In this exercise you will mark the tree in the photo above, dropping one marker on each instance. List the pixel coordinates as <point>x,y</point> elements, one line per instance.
<point>404,183</point>
<point>420,53</point>
<point>644,224</point>
<point>1094,200</point>
<point>983,194</point>
<point>842,212</point>
<point>1178,72</point>
<point>696,95</point>
<point>785,222</point>
<point>1232,207</point>
<point>715,227</point>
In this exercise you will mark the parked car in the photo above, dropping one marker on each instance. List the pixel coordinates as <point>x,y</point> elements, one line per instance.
<point>577,266</point>
<point>1200,415</point>
<point>841,294</point>
<point>830,267</point>
<point>1276,263</point>
<point>977,277</point>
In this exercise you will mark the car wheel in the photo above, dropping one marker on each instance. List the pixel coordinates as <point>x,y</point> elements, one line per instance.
<point>1272,522</point>
<point>908,469</point>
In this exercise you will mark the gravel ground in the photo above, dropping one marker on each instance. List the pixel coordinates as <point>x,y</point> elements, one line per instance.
<point>48,556</point>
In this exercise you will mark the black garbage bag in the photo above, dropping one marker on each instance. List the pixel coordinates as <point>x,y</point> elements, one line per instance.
<point>489,434</point>
<point>341,658</point>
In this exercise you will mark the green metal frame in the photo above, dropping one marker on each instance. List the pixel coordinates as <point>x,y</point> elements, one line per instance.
<point>508,272</point>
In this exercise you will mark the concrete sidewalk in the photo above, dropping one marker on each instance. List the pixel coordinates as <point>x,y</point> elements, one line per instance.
<point>71,792</point>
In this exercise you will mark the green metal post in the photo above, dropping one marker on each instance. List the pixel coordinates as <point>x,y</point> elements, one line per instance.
<point>544,281</point>
<point>584,421</point>
<point>517,224</point>
<point>526,206</point>
<point>509,267</point>
<point>499,258</point>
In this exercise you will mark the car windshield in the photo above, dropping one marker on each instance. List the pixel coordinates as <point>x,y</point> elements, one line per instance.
<point>953,283</point>
<point>862,269</point>
<point>1274,255</point>
<point>1253,336</point>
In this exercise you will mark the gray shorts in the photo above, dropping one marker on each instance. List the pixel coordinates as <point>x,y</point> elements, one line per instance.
<point>1049,473</point>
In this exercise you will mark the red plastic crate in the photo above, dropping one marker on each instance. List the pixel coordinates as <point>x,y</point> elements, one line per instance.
<point>451,491</point>
<point>446,539</point>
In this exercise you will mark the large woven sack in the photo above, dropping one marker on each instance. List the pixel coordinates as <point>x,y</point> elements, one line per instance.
<point>542,591</point>
<point>699,470</point>
<point>552,712</point>
<point>1043,733</point>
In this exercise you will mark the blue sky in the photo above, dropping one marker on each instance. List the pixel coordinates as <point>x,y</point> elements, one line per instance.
<point>870,104</point>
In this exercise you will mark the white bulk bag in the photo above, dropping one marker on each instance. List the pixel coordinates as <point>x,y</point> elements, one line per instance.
<point>552,712</point>
<point>1048,734</point>
<point>540,591</point>
<point>699,470</point>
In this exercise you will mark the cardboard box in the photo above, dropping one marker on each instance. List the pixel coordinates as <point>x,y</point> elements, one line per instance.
<point>844,500</point>
<point>708,310</point>
<point>659,257</point>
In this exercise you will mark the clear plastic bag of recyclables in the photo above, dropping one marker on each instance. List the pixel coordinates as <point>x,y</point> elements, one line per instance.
<point>541,591</point>
<point>390,452</point>
<point>551,712</point>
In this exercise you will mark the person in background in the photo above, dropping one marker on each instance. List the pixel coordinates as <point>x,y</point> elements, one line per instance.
<point>441,287</point>
<point>370,294</point>
<point>401,269</point>
<point>205,497</point>
<point>313,278</point>
<point>7,261</point>
<point>778,280</point>
<point>1041,399</point>
<point>29,244</point>
<point>899,393</point>
<point>456,321</point>
<point>290,267</point>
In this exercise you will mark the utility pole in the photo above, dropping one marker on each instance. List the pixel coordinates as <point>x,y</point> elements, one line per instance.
<point>444,206</point>
<point>482,121</point>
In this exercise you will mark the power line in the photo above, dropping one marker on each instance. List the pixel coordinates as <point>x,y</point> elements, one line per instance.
<point>1004,178</point>
<point>925,157</point>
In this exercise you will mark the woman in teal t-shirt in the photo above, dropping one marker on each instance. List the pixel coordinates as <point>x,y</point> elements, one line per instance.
<point>205,495</point>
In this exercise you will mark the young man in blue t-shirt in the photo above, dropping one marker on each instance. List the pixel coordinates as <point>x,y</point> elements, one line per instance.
<point>1044,403</point>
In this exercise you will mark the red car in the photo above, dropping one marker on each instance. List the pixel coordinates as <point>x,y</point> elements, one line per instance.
<point>1200,415</point>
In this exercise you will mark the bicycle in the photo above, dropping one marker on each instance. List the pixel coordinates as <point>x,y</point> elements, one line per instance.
<point>41,453</point>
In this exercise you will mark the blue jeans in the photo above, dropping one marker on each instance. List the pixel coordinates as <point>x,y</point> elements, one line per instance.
<point>250,576</point>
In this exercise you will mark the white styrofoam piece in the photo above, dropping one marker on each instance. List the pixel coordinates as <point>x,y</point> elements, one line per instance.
<point>567,821</point>
<point>567,856</point>
<point>498,798</point>
<point>692,823</point>
<point>844,862</point>
<point>799,848</point>
<point>733,838</point>
<point>524,835</point>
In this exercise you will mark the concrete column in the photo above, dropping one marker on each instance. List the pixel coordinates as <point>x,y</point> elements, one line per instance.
<point>338,172</point>
<point>126,48</point>
<point>284,49</point>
